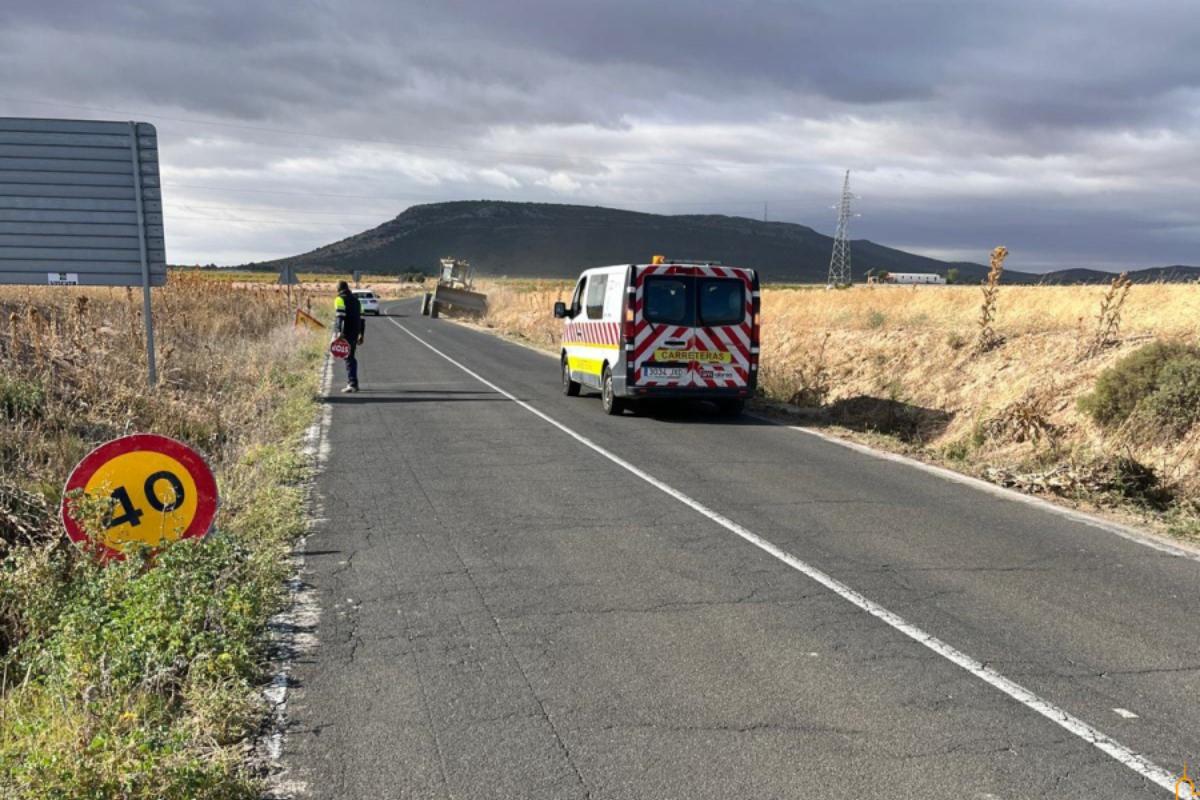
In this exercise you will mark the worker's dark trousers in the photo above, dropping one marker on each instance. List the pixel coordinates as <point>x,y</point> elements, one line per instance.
<point>352,365</point>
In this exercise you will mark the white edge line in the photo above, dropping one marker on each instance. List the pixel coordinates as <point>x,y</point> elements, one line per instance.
<point>1124,531</point>
<point>1148,539</point>
<point>293,630</point>
<point>1123,755</point>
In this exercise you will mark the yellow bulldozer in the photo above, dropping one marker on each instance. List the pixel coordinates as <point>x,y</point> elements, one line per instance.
<point>454,293</point>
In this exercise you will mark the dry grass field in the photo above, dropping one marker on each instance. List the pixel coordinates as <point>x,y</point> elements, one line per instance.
<point>142,679</point>
<point>388,287</point>
<point>900,366</point>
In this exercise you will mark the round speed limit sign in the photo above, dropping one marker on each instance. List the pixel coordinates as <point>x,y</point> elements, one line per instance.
<point>150,489</point>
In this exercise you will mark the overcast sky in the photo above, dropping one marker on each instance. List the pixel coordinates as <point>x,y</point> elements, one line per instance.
<point>1067,131</point>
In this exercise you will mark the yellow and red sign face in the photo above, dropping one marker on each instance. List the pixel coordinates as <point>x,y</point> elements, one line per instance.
<point>150,489</point>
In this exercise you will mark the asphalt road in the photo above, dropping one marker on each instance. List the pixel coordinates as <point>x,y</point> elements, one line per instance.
<point>508,612</point>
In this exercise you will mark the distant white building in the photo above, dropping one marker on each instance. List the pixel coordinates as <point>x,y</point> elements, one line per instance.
<point>908,277</point>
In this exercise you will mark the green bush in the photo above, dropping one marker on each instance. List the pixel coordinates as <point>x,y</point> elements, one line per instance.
<point>1176,404</point>
<point>20,398</point>
<point>1157,385</point>
<point>141,679</point>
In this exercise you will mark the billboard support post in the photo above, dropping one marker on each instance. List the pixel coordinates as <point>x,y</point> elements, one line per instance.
<point>147,313</point>
<point>287,276</point>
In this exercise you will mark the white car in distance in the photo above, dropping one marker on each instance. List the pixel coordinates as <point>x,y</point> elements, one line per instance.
<point>368,300</point>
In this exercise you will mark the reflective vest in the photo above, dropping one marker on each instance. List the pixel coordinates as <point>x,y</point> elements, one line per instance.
<point>349,319</point>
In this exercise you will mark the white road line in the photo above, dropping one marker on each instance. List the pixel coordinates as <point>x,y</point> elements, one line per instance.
<point>1138,763</point>
<point>293,630</point>
<point>1124,531</point>
<point>1144,538</point>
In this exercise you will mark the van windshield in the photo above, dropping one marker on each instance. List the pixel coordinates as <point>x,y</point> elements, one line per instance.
<point>689,301</point>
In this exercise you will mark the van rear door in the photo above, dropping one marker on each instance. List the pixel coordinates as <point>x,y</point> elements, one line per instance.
<point>664,318</point>
<point>693,327</point>
<point>724,315</point>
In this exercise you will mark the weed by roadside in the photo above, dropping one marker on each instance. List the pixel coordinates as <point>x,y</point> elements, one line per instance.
<point>1108,320</point>
<point>1152,392</point>
<point>987,339</point>
<point>129,681</point>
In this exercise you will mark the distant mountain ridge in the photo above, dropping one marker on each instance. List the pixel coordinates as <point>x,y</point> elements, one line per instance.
<point>546,240</point>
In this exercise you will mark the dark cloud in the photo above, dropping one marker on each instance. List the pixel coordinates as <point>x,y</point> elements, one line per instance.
<point>1068,127</point>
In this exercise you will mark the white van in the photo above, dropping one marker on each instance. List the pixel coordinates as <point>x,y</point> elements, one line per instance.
<point>663,329</point>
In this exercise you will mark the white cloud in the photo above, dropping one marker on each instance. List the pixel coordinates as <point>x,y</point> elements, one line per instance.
<point>963,125</point>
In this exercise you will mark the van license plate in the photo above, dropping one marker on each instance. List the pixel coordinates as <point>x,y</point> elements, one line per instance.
<point>662,373</point>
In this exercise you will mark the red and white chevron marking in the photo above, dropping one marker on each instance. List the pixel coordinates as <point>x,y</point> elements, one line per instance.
<point>733,339</point>
<point>596,334</point>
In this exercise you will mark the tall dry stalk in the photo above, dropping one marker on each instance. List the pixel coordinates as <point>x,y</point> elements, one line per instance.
<point>1108,321</point>
<point>72,370</point>
<point>988,338</point>
<point>811,382</point>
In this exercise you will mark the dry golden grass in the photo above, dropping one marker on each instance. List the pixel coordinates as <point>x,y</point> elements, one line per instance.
<point>74,370</point>
<point>1158,309</point>
<point>123,680</point>
<point>912,348</point>
<point>525,308</point>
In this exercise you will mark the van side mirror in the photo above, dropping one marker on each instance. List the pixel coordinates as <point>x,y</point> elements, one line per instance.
<point>560,310</point>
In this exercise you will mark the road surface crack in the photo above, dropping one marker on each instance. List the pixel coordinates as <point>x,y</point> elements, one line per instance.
<point>545,715</point>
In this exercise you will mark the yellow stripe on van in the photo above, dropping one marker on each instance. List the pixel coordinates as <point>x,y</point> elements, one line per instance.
<point>592,366</point>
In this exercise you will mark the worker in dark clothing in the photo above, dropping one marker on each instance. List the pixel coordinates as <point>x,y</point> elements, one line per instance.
<point>351,326</point>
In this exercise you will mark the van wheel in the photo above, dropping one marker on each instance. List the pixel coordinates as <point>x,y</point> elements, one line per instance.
<point>570,387</point>
<point>731,408</point>
<point>433,309</point>
<point>613,406</point>
<point>425,304</point>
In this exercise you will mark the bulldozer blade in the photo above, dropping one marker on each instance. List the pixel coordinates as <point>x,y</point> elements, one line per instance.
<point>460,301</point>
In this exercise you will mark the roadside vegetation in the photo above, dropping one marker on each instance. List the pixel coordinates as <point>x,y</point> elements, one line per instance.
<point>321,280</point>
<point>142,680</point>
<point>1090,394</point>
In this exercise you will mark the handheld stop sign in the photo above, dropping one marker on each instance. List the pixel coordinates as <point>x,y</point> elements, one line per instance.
<point>340,348</point>
<point>151,489</point>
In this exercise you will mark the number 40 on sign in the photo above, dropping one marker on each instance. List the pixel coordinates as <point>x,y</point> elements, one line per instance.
<point>156,490</point>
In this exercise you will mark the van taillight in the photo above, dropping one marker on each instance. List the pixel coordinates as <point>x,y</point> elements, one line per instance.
<point>755,315</point>
<point>628,332</point>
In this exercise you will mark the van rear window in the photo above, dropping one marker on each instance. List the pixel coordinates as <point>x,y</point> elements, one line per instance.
<point>688,301</point>
<point>722,301</point>
<point>668,300</point>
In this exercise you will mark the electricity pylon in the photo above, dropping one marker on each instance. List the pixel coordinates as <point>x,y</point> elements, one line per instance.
<point>839,263</point>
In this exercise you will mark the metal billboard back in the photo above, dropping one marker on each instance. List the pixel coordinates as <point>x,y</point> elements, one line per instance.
<point>79,201</point>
